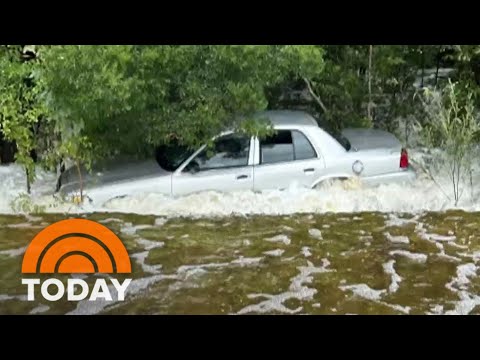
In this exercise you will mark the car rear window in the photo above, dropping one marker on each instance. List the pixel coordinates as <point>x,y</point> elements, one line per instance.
<point>285,145</point>
<point>303,148</point>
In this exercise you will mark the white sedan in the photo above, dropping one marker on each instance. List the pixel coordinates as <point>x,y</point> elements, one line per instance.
<point>300,153</point>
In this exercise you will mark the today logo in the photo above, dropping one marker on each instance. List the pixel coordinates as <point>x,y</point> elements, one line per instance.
<point>76,246</point>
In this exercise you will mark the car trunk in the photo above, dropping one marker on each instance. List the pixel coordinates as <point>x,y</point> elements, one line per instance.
<point>383,148</point>
<point>369,139</point>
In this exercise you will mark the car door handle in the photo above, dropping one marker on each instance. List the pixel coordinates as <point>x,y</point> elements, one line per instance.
<point>242,177</point>
<point>309,170</point>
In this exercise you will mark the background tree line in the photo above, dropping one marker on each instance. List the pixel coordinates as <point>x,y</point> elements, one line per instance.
<point>91,103</point>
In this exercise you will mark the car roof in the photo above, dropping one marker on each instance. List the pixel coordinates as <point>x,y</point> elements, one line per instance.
<point>288,117</point>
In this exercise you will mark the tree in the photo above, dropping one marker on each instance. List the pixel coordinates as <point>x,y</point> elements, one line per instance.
<point>453,125</point>
<point>20,107</point>
<point>104,101</point>
<point>366,85</point>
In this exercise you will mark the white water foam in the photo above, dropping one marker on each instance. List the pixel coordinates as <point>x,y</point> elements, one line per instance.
<point>86,307</point>
<point>40,309</point>
<point>274,253</point>
<point>297,290</point>
<point>130,229</point>
<point>397,239</point>
<point>467,303</point>
<point>245,261</point>
<point>475,256</point>
<point>394,220</point>
<point>364,291</point>
<point>422,195</point>
<point>459,285</point>
<point>462,280</point>
<point>149,245</point>
<point>463,247</point>
<point>141,257</point>
<point>436,310</point>
<point>402,309</point>
<point>13,183</point>
<point>416,257</point>
<point>315,233</point>
<point>306,251</point>
<point>395,278</point>
<point>279,238</point>
<point>14,252</point>
<point>5,297</point>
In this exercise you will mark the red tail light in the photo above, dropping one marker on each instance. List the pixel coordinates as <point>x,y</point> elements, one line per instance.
<point>404,159</point>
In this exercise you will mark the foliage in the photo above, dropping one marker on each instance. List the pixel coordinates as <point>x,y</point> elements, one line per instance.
<point>106,100</point>
<point>23,204</point>
<point>347,88</point>
<point>86,103</point>
<point>20,108</point>
<point>452,125</point>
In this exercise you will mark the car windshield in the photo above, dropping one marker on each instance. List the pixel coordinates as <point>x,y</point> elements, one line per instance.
<point>171,156</point>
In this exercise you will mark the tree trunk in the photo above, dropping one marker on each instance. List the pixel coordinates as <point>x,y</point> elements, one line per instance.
<point>423,67</point>
<point>369,107</point>
<point>438,65</point>
<point>80,179</point>
<point>29,186</point>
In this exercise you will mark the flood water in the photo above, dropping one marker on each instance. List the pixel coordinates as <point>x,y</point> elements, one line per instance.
<point>346,249</point>
<point>330,263</point>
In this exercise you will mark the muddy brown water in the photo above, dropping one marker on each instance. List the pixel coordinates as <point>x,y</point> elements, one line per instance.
<point>364,263</point>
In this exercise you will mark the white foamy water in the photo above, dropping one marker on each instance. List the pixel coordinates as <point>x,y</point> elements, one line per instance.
<point>274,253</point>
<point>459,284</point>
<point>306,251</point>
<point>14,252</point>
<point>40,309</point>
<point>149,245</point>
<point>416,257</point>
<point>279,239</point>
<point>422,195</point>
<point>397,239</point>
<point>394,220</point>
<point>141,257</point>
<point>395,278</point>
<point>297,290</point>
<point>13,183</point>
<point>86,307</point>
<point>364,291</point>
<point>315,233</point>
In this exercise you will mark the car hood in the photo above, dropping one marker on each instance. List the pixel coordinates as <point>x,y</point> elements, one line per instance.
<point>111,174</point>
<point>369,139</point>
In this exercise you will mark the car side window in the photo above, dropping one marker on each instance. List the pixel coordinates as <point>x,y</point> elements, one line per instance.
<point>284,146</point>
<point>228,151</point>
<point>303,148</point>
<point>277,148</point>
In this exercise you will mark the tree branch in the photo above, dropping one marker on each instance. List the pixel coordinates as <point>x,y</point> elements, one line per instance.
<point>315,96</point>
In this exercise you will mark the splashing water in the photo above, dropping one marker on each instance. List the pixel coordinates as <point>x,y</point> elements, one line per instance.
<point>423,195</point>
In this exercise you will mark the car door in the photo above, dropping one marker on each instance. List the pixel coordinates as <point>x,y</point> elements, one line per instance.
<point>286,159</point>
<point>226,166</point>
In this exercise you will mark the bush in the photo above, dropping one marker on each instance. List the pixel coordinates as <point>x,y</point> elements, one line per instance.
<point>452,125</point>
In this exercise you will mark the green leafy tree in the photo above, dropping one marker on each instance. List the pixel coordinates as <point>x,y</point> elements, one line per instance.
<point>104,101</point>
<point>453,125</point>
<point>20,107</point>
<point>365,85</point>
